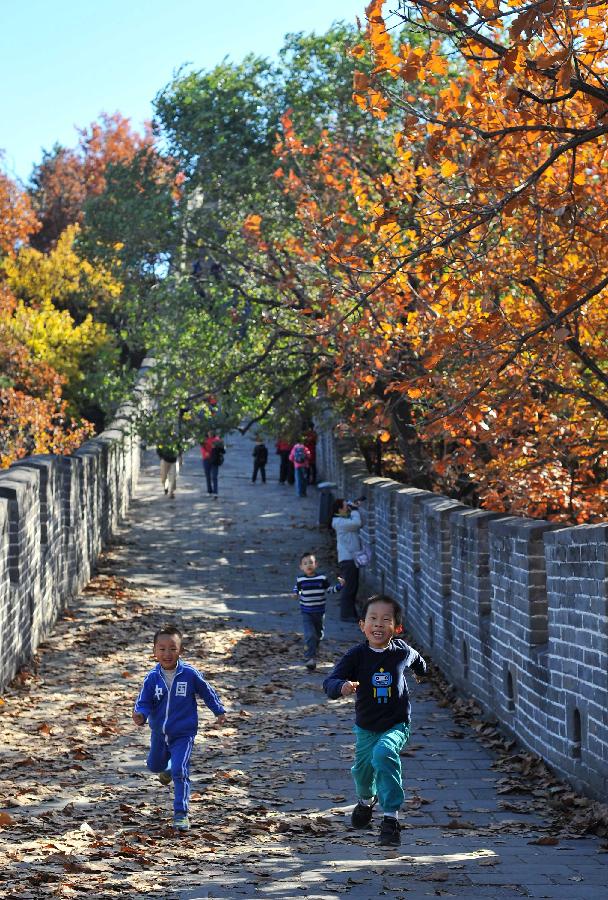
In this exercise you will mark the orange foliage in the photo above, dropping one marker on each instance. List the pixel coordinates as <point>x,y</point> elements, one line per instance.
<point>33,416</point>
<point>17,218</point>
<point>462,291</point>
<point>66,178</point>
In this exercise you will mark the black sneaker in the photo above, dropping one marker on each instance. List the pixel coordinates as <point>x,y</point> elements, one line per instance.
<point>389,832</point>
<point>362,814</point>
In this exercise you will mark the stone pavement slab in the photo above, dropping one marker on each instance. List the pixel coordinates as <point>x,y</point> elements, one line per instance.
<point>272,791</point>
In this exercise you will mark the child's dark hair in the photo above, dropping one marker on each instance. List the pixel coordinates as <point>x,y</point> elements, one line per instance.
<point>337,506</point>
<point>382,598</point>
<point>170,630</point>
<point>307,553</point>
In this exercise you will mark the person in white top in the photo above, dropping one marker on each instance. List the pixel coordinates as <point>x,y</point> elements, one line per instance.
<point>346,522</point>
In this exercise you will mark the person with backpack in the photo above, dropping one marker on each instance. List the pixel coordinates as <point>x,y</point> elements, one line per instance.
<point>260,458</point>
<point>212,452</point>
<point>169,454</point>
<point>300,457</point>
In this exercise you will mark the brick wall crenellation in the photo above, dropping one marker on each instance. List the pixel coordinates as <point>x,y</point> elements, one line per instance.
<point>514,611</point>
<point>56,514</point>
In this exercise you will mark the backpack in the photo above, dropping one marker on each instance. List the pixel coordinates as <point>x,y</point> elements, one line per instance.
<point>217,453</point>
<point>299,454</point>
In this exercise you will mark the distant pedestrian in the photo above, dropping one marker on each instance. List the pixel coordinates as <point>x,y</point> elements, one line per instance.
<point>375,672</point>
<point>310,442</point>
<point>283,447</point>
<point>260,458</point>
<point>300,458</point>
<point>212,453</point>
<point>167,701</point>
<point>311,589</point>
<point>169,455</point>
<point>347,522</point>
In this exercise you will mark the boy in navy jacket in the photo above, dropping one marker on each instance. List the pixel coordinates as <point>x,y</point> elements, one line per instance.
<point>311,588</point>
<point>167,701</point>
<point>375,672</point>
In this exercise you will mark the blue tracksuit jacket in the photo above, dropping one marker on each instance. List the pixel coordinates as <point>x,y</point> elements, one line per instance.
<point>173,713</point>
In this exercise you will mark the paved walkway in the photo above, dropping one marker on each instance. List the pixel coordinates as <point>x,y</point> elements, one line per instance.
<point>273,792</point>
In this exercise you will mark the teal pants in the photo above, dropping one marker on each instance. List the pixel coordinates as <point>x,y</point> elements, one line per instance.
<point>377,768</point>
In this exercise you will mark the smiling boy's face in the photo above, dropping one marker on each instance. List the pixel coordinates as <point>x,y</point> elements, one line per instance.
<point>308,564</point>
<point>379,626</point>
<point>167,649</point>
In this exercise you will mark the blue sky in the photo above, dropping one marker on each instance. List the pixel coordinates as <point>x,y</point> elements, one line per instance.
<point>63,63</point>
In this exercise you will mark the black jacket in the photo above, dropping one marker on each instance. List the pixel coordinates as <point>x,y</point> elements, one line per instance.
<point>260,454</point>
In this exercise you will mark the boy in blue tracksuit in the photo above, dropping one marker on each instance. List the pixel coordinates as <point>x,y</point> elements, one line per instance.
<point>375,672</point>
<point>167,701</point>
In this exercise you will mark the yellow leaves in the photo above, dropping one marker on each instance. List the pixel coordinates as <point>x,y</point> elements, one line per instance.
<point>385,436</point>
<point>424,172</point>
<point>357,52</point>
<point>448,168</point>
<point>54,338</point>
<point>414,393</point>
<point>59,275</point>
<point>252,224</point>
<point>381,42</point>
<point>373,102</point>
<point>384,218</point>
<point>579,178</point>
<point>438,65</point>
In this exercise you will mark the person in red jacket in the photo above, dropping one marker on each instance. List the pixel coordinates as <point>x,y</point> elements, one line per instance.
<point>212,453</point>
<point>283,447</point>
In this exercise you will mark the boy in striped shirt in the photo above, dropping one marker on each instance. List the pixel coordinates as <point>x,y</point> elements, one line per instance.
<point>312,589</point>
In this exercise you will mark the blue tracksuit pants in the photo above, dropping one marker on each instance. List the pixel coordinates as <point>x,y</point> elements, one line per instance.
<point>177,750</point>
<point>377,768</point>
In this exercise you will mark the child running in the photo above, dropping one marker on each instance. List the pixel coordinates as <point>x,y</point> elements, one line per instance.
<point>167,701</point>
<point>311,589</point>
<point>375,671</point>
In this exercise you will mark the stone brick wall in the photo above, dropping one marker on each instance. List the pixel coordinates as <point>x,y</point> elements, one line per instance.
<point>56,513</point>
<point>514,611</point>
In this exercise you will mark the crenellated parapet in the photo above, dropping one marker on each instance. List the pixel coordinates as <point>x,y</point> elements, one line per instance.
<point>514,611</point>
<point>56,515</point>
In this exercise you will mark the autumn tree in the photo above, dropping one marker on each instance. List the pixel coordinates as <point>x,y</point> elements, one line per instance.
<point>68,176</point>
<point>471,298</point>
<point>33,412</point>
